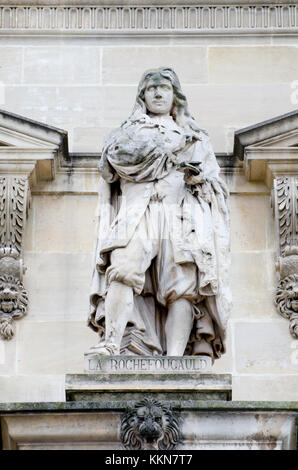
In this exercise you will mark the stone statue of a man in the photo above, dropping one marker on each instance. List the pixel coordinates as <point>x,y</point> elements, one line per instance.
<point>161,270</point>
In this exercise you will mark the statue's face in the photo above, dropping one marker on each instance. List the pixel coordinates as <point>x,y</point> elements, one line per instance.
<point>159,95</point>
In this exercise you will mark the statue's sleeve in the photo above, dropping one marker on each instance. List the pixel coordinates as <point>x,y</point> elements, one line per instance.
<point>105,168</point>
<point>206,155</point>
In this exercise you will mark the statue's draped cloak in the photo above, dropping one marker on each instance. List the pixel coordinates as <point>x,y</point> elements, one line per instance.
<point>139,165</point>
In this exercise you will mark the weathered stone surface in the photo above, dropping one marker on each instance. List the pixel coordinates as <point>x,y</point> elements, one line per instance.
<point>123,65</point>
<point>246,236</point>
<point>65,276</point>
<point>256,354</point>
<point>269,387</point>
<point>71,339</point>
<point>120,386</point>
<point>31,388</point>
<point>208,426</point>
<point>252,64</point>
<point>11,65</point>
<point>59,229</point>
<point>59,65</point>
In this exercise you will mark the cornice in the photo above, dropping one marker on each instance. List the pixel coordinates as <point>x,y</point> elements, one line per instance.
<point>140,3</point>
<point>48,17</point>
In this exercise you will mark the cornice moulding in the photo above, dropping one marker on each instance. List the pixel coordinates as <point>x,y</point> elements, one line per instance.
<point>146,18</point>
<point>140,3</point>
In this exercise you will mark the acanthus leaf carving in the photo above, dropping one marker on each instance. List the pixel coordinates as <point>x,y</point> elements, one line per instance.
<point>286,214</point>
<point>14,202</point>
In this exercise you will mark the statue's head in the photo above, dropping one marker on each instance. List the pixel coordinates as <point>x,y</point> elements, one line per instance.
<point>163,76</point>
<point>160,92</point>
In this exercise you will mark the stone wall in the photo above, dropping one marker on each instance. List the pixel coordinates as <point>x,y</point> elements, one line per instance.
<point>83,80</point>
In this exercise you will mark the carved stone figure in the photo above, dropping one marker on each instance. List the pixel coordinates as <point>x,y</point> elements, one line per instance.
<point>161,269</point>
<point>148,425</point>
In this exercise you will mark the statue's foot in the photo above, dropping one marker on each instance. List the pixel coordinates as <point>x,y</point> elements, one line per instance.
<point>106,349</point>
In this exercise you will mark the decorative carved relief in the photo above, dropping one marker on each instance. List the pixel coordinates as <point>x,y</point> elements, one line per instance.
<point>287,212</point>
<point>144,19</point>
<point>150,424</point>
<point>14,201</point>
<point>13,304</point>
<point>286,216</point>
<point>287,301</point>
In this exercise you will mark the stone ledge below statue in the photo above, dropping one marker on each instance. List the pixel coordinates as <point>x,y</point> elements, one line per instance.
<point>179,388</point>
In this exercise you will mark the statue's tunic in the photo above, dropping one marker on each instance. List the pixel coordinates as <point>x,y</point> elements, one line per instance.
<point>182,228</point>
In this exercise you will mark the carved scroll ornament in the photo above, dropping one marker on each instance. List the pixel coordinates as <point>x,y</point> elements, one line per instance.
<point>14,202</point>
<point>286,216</point>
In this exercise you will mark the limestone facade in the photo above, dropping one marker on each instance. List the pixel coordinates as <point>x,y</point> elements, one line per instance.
<point>70,75</point>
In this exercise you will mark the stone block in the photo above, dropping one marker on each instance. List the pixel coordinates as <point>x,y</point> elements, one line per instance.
<point>117,104</point>
<point>64,223</point>
<point>90,139</point>
<point>11,59</point>
<point>63,286</point>
<point>281,387</point>
<point>79,182</point>
<point>215,105</point>
<point>256,64</point>
<point>264,348</point>
<point>56,348</point>
<point>238,184</point>
<point>118,388</point>
<point>8,357</point>
<point>64,107</point>
<point>249,215</point>
<point>125,65</point>
<point>62,65</point>
<point>252,286</point>
<point>38,388</point>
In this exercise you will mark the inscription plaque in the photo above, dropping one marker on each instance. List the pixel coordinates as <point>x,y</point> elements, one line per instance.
<point>95,363</point>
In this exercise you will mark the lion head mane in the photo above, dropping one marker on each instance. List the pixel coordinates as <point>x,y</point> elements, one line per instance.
<point>13,304</point>
<point>150,424</point>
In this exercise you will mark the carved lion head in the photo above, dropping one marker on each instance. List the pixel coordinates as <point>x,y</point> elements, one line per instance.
<point>13,303</point>
<point>286,301</point>
<point>287,296</point>
<point>150,425</point>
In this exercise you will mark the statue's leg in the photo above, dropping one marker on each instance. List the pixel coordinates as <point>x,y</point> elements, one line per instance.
<point>119,306</point>
<point>118,310</point>
<point>178,326</point>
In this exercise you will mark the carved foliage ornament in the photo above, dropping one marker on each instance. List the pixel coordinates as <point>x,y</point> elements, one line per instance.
<point>286,215</point>
<point>14,201</point>
<point>150,424</point>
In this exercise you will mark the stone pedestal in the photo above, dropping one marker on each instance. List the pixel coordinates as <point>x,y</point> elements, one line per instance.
<point>149,393</point>
<point>122,379</point>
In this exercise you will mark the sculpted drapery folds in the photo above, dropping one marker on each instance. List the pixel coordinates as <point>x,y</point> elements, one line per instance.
<point>161,269</point>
